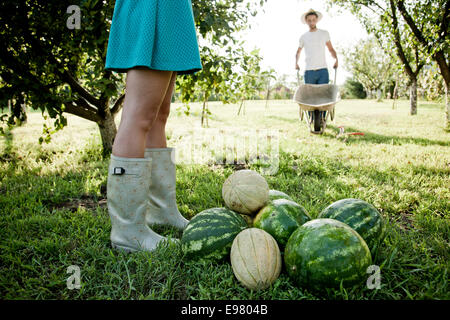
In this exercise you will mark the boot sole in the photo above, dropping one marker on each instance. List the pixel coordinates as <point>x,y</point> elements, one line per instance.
<point>123,248</point>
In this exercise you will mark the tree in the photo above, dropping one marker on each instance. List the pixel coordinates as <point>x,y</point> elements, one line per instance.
<point>370,66</point>
<point>431,82</point>
<point>429,22</point>
<point>230,78</point>
<point>353,89</point>
<point>406,56</point>
<point>380,18</point>
<point>60,70</point>
<point>250,80</point>
<point>266,78</point>
<point>57,69</point>
<point>420,26</point>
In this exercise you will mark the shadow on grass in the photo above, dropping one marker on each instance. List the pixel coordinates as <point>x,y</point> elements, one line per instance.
<point>376,138</point>
<point>8,155</point>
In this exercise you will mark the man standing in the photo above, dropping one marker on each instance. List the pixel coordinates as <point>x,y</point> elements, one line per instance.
<point>314,42</point>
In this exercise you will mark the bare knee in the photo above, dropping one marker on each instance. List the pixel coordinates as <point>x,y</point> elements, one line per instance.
<point>163,113</point>
<point>141,116</point>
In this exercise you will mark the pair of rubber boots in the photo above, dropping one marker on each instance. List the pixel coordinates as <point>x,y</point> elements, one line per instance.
<point>141,193</point>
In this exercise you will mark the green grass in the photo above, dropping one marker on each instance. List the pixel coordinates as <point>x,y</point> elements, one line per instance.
<point>53,209</point>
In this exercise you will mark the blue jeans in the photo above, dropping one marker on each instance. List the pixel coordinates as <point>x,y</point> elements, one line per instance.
<point>319,76</point>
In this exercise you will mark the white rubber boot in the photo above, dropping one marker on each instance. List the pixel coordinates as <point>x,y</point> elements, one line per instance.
<point>127,189</point>
<point>162,192</point>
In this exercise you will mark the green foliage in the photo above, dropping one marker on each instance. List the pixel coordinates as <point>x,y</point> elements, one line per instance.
<point>267,78</point>
<point>432,20</point>
<point>370,65</point>
<point>431,83</point>
<point>49,66</point>
<point>229,72</point>
<point>353,89</point>
<point>418,31</point>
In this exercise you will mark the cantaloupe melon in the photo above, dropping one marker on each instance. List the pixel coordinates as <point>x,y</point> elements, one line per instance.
<point>245,191</point>
<point>255,258</point>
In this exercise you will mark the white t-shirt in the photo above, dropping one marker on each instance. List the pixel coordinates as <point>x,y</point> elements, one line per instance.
<point>314,45</point>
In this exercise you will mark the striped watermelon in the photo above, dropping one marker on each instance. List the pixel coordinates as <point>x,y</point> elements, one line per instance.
<point>359,215</point>
<point>323,252</point>
<point>280,218</point>
<point>210,233</point>
<point>276,194</point>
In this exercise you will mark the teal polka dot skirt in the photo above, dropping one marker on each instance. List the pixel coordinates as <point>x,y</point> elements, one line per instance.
<point>158,34</point>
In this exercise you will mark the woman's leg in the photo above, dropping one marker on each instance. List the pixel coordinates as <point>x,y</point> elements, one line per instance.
<point>162,195</point>
<point>145,92</point>
<point>156,136</point>
<point>129,172</point>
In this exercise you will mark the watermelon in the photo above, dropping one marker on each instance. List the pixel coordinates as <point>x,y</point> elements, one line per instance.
<point>280,218</point>
<point>323,252</point>
<point>360,216</point>
<point>276,194</point>
<point>210,233</point>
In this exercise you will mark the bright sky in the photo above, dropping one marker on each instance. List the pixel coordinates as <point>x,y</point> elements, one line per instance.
<point>277,31</point>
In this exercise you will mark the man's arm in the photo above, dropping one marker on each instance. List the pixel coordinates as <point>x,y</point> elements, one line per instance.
<point>297,55</point>
<point>333,53</point>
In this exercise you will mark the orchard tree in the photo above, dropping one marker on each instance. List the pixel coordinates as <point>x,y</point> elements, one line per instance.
<point>267,78</point>
<point>55,64</point>
<point>431,82</point>
<point>370,66</point>
<point>418,28</point>
<point>353,89</point>
<point>380,18</point>
<point>221,79</point>
<point>411,57</point>
<point>428,21</point>
<point>250,80</point>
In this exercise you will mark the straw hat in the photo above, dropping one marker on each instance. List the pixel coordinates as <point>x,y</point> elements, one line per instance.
<point>319,15</point>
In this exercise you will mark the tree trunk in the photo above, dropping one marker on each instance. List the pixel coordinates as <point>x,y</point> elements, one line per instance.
<point>268,94</point>
<point>379,95</point>
<point>395,93</point>
<point>108,131</point>
<point>413,96</point>
<point>447,105</point>
<point>207,116</point>
<point>204,115</point>
<point>240,107</point>
<point>367,92</point>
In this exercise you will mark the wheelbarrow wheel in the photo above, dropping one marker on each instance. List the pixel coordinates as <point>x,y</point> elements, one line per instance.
<point>317,120</point>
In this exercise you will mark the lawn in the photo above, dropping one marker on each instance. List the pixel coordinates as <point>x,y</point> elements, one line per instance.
<point>54,214</point>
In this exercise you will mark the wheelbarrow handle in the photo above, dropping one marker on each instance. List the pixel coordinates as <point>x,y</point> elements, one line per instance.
<point>335,74</point>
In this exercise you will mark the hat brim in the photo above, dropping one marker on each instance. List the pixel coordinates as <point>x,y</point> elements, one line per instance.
<point>319,16</point>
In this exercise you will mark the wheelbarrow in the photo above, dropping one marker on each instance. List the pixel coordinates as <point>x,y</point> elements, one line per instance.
<point>317,103</point>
